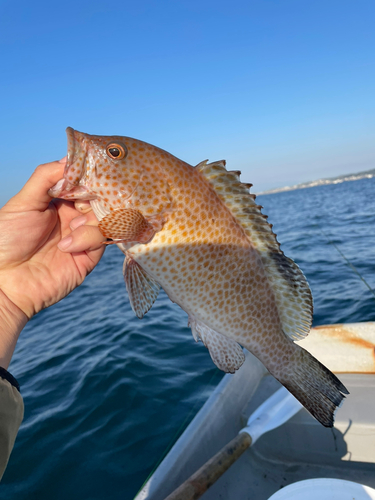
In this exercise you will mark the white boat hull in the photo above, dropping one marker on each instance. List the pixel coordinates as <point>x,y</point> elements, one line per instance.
<point>301,448</point>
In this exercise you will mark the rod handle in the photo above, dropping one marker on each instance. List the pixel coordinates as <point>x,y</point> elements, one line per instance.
<point>210,472</point>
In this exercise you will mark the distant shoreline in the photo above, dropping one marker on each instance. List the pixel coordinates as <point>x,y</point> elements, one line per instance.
<point>322,182</point>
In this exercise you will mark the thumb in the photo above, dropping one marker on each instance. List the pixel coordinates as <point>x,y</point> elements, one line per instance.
<point>34,195</point>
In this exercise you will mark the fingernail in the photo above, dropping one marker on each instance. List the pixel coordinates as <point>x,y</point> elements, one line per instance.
<point>63,160</point>
<point>82,206</point>
<point>78,221</point>
<point>65,243</point>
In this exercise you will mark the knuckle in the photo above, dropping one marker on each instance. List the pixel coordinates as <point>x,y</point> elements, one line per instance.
<point>39,170</point>
<point>48,169</point>
<point>92,220</point>
<point>89,232</point>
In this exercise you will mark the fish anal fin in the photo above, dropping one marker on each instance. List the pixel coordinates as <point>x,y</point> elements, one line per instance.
<point>226,353</point>
<point>289,285</point>
<point>142,289</point>
<point>126,224</point>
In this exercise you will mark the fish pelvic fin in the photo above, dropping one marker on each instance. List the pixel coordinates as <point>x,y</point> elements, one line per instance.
<point>315,387</point>
<point>288,283</point>
<point>142,289</point>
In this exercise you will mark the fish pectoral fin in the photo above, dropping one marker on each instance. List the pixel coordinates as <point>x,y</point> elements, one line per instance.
<point>226,353</point>
<point>126,224</point>
<point>142,289</point>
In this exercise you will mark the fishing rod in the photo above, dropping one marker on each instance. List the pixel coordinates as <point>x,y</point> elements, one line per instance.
<point>346,260</point>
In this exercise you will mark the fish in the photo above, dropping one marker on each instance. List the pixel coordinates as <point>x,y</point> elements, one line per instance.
<point>198,233</point>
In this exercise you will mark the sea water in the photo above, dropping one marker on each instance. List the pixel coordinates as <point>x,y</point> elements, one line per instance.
<point>106,394</point>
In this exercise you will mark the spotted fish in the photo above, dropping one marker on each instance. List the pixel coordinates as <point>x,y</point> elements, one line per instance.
<point>198,233</point>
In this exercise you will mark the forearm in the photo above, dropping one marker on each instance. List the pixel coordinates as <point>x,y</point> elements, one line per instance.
<point>12,321</point>
<point>11,415</point>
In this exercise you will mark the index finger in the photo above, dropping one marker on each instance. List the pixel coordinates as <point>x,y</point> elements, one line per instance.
<point>34,195</point>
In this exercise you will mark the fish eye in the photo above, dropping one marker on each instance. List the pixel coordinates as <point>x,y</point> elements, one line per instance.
<point>116,151</point>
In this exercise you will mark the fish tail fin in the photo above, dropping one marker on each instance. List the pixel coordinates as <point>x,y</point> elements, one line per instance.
<point>315,387</point>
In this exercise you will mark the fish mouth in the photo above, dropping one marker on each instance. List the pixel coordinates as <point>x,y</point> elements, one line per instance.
<point>69,187</point>
<point>67,191</point>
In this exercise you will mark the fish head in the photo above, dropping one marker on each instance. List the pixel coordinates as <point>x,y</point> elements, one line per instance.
<point>104,168</point>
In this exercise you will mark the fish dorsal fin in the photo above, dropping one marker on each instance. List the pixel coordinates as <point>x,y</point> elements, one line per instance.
<point>225,353</point>
<point>289,285</point>
<point>142,289</point>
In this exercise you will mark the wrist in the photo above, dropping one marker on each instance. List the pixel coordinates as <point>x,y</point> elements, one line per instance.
<point>12,321</point>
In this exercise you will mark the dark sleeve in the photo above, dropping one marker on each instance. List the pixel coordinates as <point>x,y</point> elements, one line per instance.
<point>11,415</point>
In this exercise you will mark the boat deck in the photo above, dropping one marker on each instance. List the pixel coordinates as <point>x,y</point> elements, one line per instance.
<point>299,449</point>
<point>303,449</point>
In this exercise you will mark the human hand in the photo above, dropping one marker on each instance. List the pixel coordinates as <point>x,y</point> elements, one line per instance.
<point>37,266</point>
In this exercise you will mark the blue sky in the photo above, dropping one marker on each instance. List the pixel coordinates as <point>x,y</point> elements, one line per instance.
<point>282,89</point>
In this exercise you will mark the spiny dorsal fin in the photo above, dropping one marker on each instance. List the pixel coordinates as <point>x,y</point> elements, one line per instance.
<point>292,292</point>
